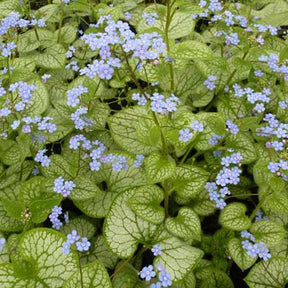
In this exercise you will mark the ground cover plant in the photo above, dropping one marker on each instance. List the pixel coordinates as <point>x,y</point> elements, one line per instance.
<point>143,143</point>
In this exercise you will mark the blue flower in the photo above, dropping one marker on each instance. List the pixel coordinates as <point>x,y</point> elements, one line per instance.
<point>62,187</point>
<point>232,127</point>
<point>73,237</point>
<point>210,82</point>
<point>43,159</point>
<point>147,273</point>
<point>185,135</point>
<point>66,248</point>
<point>2,242</point>
<point>138,163</point>
<point>157,250</point>
<point>83,245</point>
<point>165,279</point>
<point>197,126</point>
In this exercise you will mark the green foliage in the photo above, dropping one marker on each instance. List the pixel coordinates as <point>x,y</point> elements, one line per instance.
<point>93,274</point>
<point>268,232</point>
<point>233,217</point>
<point>43,249</point>
<point>154,130</point>
<point>123,229</point>
<point>145,203</point>
<point>277,276</point>
<point>239,255</point>
<point>186,225</point>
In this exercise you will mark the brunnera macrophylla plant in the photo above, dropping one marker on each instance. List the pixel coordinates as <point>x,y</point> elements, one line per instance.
<point>143,143</point>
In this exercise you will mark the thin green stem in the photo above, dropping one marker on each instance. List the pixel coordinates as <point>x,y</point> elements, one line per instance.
<point>60,24</point>
<point>241,195</point>
<point>187,153</point>
<point>36,33</point>
<point>259,205</point>
<point>120,268</point>
<point>135,80</point>
<point>161,133</point>
<point>168,21</point>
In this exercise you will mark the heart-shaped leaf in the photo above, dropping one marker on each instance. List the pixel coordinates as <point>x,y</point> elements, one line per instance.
<point>189,180</point>
<point>268,232</point>
<point>158,168</point>
<point>145,203</point>
<point>123,229</point>
<point>186,225</point>
<point>43,249</point>
<point>239,255</point>
<point>273,273</point>
<point>92,275</point>
<point>233,217</point>
<point>177,257</point>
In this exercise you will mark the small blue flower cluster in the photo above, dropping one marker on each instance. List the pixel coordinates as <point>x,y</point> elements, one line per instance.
<point>232,127</point>
<point>273,62</point>
<point>73,100</point>
<point>74,94</point>
<point>45,77</point>
<point>283,104</point>
<point>73,65</point>
<point>214,5</point>
<point>277,133</point>
<point>13,20</point>
<point>54,217</point>
<point>185,134</point>
<point>158,102</point>
<point>138,162</point>
<point>266,28</point>
<point>225,176</point>
<point>119,164</point>
<point>160,106</point>
<point>148,272</point>
<point>215,139</point>
<point>82,245</point>
<point>150,18</point>
<point>148,46</point>
<point>7,50</point>
<point>20,90</point>
<point>258,73</point>
<point>63,187</point>
<point>96,154</point>
<point>70,52</point>
<point>274,128</point>
<point>260,216</point>
<point>278,168</point>
<point>164,278</point>
<point>230,19</point>
<point>253,97</point>
<point>42,159</point>
<point>231,38</point>
<point>42,124</point>
<point>2,242</point>
<point>254,249</point>
<point>81,122</point>
<point>210,82</point>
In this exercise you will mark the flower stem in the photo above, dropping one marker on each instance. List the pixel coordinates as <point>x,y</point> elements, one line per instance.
<point>259,205</point>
